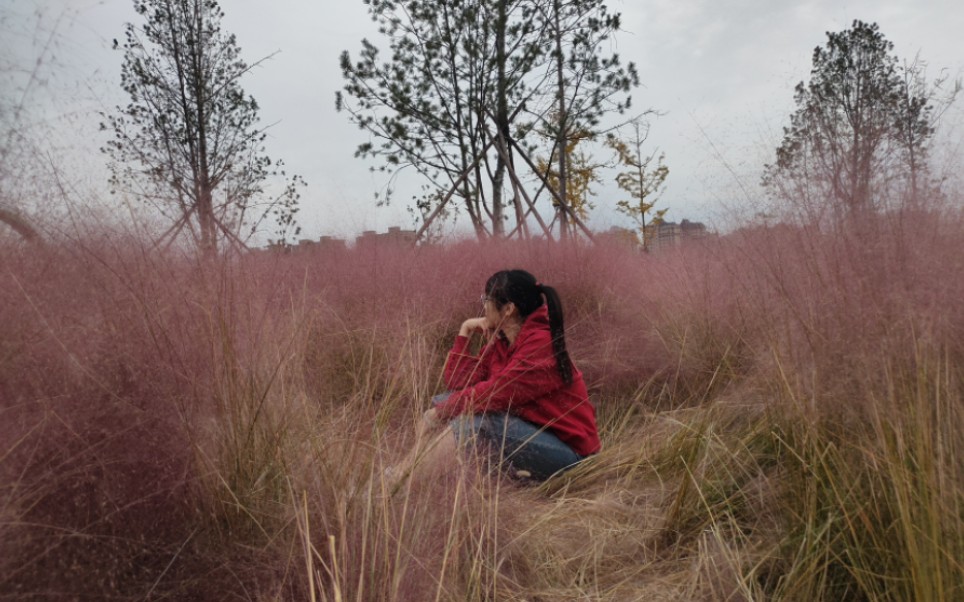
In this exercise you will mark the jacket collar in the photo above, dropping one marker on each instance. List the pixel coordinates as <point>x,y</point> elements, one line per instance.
<point>537,320</point>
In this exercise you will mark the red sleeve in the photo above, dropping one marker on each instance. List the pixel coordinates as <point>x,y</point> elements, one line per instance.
<point>463,369</point>
<point>530,374</point>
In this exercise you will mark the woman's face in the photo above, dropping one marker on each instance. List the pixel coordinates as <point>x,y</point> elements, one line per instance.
<point>495,317</point>
<point>490,312</point>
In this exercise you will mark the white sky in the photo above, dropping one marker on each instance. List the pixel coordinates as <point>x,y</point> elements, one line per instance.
<point>723,73</point>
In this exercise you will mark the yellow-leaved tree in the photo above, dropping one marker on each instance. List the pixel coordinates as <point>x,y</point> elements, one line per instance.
<point>643,181</point>
<point>581,173</point>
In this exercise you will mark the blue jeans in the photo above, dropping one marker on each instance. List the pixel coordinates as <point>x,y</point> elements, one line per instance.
<point>512,440</point>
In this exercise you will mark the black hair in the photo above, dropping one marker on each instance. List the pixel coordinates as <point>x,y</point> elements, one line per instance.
<point>527,294</point>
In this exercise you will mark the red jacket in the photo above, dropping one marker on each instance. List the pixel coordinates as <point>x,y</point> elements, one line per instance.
<point>522,379</point>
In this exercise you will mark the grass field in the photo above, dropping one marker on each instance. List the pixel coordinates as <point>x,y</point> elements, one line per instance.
<point>781,413</point>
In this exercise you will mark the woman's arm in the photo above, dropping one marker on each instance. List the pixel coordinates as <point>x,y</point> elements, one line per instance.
<point>474,325</point>
<point>529,375</point>
<point>464,369</point>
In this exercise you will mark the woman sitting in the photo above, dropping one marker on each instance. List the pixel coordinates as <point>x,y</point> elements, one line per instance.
<point>520,399</point>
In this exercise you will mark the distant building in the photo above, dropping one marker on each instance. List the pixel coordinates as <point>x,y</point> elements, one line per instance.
<point>616,236</point>
<point>330,243</point>
<point>691,230</point>
<point>325,244</point>
<point>394,237</point>
<point>667,235</point>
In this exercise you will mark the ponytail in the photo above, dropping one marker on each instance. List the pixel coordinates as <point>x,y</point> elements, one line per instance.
<point>557,329</point>
<point>521,288</point>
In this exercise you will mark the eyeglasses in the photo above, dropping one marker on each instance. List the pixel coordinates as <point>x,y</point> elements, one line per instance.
<point>483,299</point>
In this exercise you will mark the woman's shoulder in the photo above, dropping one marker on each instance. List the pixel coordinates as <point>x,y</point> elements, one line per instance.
<point>533,336</point>
<point>536,322</point>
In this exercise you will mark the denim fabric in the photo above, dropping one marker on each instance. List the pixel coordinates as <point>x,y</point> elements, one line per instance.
<point>512,440</point>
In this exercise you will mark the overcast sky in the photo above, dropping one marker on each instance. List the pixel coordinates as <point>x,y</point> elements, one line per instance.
<point>722,72</point>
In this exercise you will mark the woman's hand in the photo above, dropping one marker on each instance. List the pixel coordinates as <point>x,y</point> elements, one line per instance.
<point>474,325</point>
<point>428,423</point>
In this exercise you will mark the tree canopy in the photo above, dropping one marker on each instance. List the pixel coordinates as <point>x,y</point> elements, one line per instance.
<point>189,140</point>
<point>468,87</point>
<point>859,136</point>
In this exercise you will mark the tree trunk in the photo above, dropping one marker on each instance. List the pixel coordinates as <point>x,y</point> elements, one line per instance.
<point>502,122</point>
<point>561,133</point>
<point>205,200</point>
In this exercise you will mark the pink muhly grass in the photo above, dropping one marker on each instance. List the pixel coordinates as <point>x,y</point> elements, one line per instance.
<point>175,427</point>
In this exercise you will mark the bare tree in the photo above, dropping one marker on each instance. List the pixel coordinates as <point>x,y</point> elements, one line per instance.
<point>22,75</point>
